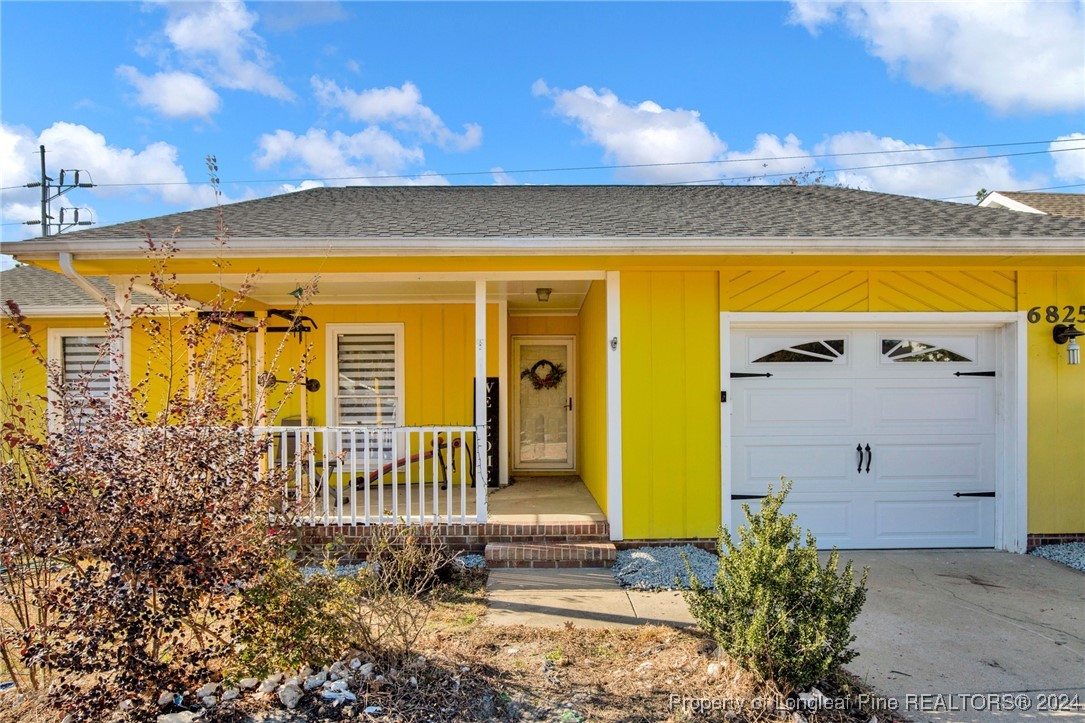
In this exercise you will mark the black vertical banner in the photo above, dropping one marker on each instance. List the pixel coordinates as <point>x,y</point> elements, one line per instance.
<point>493,423</point>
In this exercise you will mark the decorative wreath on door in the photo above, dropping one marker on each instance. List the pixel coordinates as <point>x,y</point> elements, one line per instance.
<point>552,376</point>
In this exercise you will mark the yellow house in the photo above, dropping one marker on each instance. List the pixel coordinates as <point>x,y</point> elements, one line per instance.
<point>674,349</point>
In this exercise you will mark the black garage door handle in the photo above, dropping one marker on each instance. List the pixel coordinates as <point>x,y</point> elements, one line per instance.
<point>869,458</point>
<point>859,449</point>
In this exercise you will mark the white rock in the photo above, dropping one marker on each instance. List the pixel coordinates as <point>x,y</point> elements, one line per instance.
<point>185,716</point>
<point>166,698</point>
<point>305,671</point>
<point>289,696</point>
<point>355,663</point>
<point>644,666</point>
<point>819,696</point>
<point>715,670</point>
<point>248,683</point>
<point>338,695</point>
<point>209,701</point>
<point>230,694</point>
<point>270,683</point>
<point>365,670</point>
<point>372,710</point>
<point>67,719</point>
<point>414,682</point>
<point>337,685</point>
<point>126,704</point>
<point>207,690</point>
<point>315,680</point>
<point>511,651</point>
<point>293,680</point>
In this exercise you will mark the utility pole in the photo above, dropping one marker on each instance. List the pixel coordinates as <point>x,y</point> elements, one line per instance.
<point>47,187</point>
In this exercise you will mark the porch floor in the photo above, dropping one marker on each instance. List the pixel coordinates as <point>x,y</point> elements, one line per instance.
<point>543,500</point>
<point>526,501</point>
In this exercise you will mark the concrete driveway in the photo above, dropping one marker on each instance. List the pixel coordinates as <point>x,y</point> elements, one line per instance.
<point>952,636</point>
<point>961,626</point>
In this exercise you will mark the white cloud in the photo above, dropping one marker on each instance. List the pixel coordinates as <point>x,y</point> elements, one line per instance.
<point>401,107</point>
<point>639,134</point>
<point>303,186</point>
<point>1069,165</point>
<point>1016,55</point>
<point>286,15</point>
<point>217,38</point>
<point>338,158</point>
<point>150,174</point>
<point>501,178</point>
<point>647,133</point>
<point>173,94</point>
<point>929,180</point>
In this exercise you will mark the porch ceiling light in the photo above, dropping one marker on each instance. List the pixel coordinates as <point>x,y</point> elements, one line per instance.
<point>543,293</point>
<point>1068,334</point>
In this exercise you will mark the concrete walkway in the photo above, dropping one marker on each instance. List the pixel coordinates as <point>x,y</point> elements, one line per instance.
<point>588,597</point>
<point>941,633</point>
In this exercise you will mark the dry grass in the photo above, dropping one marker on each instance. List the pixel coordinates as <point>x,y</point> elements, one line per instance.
<point>468,671</point>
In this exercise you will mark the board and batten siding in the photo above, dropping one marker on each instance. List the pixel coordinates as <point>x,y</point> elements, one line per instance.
<point>1056,409</point>
<point>438,358</point>
<point>670,404</point>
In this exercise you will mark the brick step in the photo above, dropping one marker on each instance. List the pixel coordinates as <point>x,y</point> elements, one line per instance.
<point>550,554</point>
<point>469,537</point>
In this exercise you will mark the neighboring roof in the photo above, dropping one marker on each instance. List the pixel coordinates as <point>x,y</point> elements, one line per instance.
<point>589,212</point>
<point>1054,204</point>
<point>38,290</point>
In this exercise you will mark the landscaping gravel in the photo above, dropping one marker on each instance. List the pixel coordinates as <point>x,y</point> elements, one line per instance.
<point>470,561</point>
<point>663,568</point>
<point>1070,553</point>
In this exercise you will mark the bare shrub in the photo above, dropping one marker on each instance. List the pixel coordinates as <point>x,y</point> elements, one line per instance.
<point>389,601</point>
<point>129,521</point>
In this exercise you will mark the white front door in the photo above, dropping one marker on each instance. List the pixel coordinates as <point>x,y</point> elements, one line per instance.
<point>542,415</point>
<point>888,434</point>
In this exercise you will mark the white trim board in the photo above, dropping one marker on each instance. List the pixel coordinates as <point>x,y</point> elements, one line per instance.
<point>1011,389</point>
<point>614,405</point>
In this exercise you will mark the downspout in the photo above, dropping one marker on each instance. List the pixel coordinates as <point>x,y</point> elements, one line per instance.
<point>81,281</point>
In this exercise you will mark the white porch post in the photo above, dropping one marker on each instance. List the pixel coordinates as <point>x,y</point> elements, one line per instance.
<point>614,406</point>
<point>122,345</point>
<point>481,482</point>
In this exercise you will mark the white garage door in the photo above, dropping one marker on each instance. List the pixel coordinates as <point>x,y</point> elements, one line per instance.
<point>889,435</point>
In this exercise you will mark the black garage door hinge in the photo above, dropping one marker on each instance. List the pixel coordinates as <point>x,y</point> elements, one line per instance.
<point>973,374</point>
<point>747,375</point>
<point>747,497</point>
<point>974,494</point>
<point>723,397</point>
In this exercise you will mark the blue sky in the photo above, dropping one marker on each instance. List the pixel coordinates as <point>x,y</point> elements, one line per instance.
<point>293,94</point>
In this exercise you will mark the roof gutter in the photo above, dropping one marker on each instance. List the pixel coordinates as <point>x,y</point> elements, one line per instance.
<point>250,247</point>
<point>65,258</point>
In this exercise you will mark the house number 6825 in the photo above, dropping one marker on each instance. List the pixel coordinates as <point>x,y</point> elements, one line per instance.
<point>1056,314</point>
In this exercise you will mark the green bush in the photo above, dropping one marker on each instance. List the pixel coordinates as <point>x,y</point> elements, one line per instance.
<point>286,621</point>
<point>775,610</point>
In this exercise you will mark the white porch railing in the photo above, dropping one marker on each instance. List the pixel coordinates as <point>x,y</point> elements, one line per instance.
<point>366,475</point>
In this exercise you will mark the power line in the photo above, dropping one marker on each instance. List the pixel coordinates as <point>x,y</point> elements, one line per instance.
<point>620,166</point>
<point>751,177</point>
<point>881,165</point>
<point>1019,190</point>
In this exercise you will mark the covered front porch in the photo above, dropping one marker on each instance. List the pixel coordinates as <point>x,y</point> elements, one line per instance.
<point>414,408</point>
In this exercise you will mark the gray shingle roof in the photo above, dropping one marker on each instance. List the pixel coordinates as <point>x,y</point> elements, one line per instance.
<point>596,212</point>
<point>1056,204</point>
<point>33,287</point>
